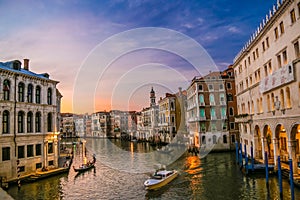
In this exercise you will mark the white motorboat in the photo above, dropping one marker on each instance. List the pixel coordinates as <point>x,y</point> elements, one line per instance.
<point>160,178</point>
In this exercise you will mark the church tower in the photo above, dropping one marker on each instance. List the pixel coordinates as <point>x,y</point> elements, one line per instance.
<point>152,98</point>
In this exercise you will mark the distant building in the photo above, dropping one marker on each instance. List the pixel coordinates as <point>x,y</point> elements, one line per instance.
<point>267,74</point>
<point>100,124</point>
<point>208,99</point>
<point>68,124</point>
<point>30,107</point>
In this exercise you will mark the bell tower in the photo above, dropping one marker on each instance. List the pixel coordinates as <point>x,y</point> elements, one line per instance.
<point>152,98</point>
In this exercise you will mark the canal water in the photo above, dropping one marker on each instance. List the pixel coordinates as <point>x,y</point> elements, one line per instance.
<point>216,176</point>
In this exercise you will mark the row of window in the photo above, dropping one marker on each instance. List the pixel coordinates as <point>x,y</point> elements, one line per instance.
<point>21,93</point>
<point>203,139</point>
<point>211,87</point>
<point>30,151</point>
<point>32,121</point>
<point>272,101</point>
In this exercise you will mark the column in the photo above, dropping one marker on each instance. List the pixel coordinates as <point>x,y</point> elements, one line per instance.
<point>263,145</point>
<point>276,150</point>
<point>292,154</point>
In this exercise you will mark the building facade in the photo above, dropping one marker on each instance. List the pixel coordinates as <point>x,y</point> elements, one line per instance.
<point>268,85</point>
<point>30,107</point>
<point>208,99</point>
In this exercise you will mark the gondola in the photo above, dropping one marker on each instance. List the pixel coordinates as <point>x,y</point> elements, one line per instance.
<point>84,167</point>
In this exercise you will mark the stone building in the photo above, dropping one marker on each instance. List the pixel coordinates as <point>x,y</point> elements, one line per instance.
<point>210,111</point>
<point>267,74</point>
<point>30,104</point>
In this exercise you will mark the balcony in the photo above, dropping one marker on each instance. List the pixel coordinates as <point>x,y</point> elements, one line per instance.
<point>243,118</point>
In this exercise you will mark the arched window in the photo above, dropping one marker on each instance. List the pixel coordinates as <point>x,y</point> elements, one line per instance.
<point>282,103</point>
<point>38,122</point>
<point>231,111</point>
<point>288,98</point>
<point>249,107</point>
<point>30,93</point>
<point>21,87</point>
<point>38,94</point>
<point>5,122</point>
<point>20,122</point>
<point>212,98</point>
<point>49,96</point>
<point>29,122</point>
<point>257,106</point>
<point>49,122</point>
<point>214,139</point>
<point>272,102</point>
<point>260,105</point>
<point>268,103</point>
<point>252,107</point>
<point>201,98</point>
<point>6,89</point>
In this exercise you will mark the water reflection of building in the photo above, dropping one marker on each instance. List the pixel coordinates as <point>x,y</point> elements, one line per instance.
<point>30,107</point>
<point>210,110</point>
<point>268,85</point>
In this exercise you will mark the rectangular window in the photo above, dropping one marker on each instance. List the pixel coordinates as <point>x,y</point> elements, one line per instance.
<point>279,61</point>
<point>270,67</point>
<point>281,28</point>
<point>202,125</point>
<point>5,153</point>
<point>276,33</point>
<point>224,126</point>
<point>231,125</point>
<point>38,165</point>
<point>200,87</point>
<point>213,126</point>
<point>210,87</point>
<point>253,55</point>
<point>231,111</point>
<point>29,150</point>
<point>228,85</point>
<point>266,70</point>
<point>51,162</point>
<point>257,54</point>
<point>38,149</point>
<point>293,16</point>
<point>202,112</point>
<point>284,57</point>
<point>232,138</point>
<point>263,46</point>
<point>50,147</point>
<point>249,61</point>
<point>21,151</point>
<point>297,50</point>
<point>221,87</point>
<point>267,42</point>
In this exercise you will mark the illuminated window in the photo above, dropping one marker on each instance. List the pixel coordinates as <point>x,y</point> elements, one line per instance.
<point>288,97</point>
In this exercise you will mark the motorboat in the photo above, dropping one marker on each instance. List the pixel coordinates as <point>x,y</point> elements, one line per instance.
<point>160,178</point>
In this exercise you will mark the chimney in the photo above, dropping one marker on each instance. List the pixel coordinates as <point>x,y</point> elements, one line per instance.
<point>26,64</point>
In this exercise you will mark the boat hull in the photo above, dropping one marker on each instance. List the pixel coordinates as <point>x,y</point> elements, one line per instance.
<point>162,183</point>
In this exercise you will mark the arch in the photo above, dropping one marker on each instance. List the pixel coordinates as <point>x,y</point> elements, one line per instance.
<point>30,93</point>
<point>49,97</point>
<point>295,151</point>
<point>288,97</point>
<point>282,103</point>
<point>282,142</point>
<point>21,88</point>
<point>38,94</point>
<point>5,122</point>
<point>211,98</point>
<point>6,89</point>
<point>29,122</point>
<point>38,122</point>
<point>49,122</point>
<point>21,122</point>
<point>257,143</point>
<point>268,141</point>
<point>268,103</point>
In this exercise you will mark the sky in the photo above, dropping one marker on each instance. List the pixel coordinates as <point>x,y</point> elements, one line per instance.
<point>109,54</point>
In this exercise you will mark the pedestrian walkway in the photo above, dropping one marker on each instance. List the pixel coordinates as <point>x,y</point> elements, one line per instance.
<point>4,195</point>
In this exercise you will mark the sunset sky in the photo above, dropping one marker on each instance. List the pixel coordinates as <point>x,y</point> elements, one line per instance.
<point>68,39</point>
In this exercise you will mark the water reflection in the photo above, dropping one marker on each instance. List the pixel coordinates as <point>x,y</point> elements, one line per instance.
<point>213,177</point>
